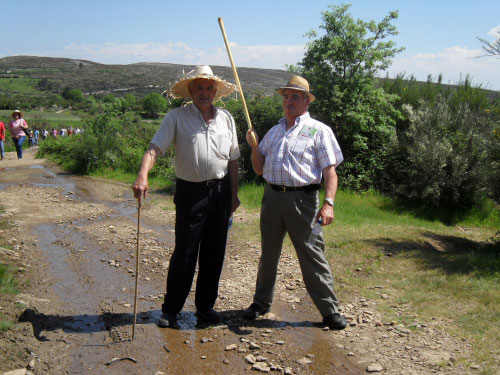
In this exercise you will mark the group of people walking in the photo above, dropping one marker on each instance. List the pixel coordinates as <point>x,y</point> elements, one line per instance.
<point>20,131</point>
<point>293,158</point>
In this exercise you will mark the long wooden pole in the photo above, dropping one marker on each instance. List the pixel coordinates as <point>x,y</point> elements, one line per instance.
<point>235,73</point>
<point>137,266</point>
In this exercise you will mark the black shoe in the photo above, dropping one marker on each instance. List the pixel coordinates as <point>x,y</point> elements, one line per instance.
<point>254,311</point>
<point>167,320</point>
<point>335,321</point>
<point>209,315</point>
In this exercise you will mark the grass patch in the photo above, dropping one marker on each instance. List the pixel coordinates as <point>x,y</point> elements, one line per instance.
<point>5,325</point>
<point>66,116</point>
<point>251,196</point>
<point>424,266</point>
<point>156,184</point>
<point>18,85</point>
<point>7,282</point>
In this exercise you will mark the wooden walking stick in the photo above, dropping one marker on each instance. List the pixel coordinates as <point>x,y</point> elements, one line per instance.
<point>137,265</point>
<point>235,73</point>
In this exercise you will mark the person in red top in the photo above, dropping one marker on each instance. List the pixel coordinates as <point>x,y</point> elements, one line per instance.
<point>2,138</point>
<point>18,128</point>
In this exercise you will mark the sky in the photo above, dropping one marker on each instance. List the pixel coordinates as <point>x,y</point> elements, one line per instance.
<point>439,36</point>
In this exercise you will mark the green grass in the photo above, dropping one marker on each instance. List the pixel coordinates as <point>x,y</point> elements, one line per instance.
<point>18,85</point>
<point>48,116</point>
<point>5,325</point>
<point>7,282</point>
<point>7,279</point>
<point>156,184</point>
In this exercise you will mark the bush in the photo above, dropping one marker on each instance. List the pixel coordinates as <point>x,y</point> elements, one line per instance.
<point>441,159</point>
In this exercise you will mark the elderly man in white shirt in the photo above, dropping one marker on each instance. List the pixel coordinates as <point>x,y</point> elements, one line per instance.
<point>206,166</point>
<point>293,157</point>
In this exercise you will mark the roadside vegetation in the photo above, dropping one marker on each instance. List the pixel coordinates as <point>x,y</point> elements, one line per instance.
<point>7,278</point>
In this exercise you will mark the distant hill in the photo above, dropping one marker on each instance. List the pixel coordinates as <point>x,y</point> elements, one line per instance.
<point>23,74</point>
<point>140,79</point>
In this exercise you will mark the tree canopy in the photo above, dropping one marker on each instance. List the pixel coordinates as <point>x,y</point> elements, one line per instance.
<point>340,65</point>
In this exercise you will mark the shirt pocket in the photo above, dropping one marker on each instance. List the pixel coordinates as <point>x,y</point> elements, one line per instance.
<point>223,147</point>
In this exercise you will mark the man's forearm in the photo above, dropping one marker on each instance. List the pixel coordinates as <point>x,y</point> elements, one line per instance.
<point>148,160</point>
<point>331,181</point>
<point>257,161</point>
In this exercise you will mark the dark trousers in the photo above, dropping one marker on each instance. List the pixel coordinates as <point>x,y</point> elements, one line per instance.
<point>202,216</point>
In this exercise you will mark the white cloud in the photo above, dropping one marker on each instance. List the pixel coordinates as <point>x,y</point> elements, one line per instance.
<point>494,32</point>
<point>454,64</point>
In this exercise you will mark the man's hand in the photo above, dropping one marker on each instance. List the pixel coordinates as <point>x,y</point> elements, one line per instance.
<point>326,213</point>
<point>140,188</point>
<point>141,185</point>
<point>252,138</point>
<point>235,203</point>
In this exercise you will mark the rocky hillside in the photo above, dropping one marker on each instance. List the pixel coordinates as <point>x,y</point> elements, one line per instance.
<point>94,78</point>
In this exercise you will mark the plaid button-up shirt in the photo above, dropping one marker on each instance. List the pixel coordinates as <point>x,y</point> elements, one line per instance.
<point>297,157</point>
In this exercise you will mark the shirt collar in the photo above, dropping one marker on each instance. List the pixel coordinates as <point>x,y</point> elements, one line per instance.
<point>197,111</point>
<point>299,121</point>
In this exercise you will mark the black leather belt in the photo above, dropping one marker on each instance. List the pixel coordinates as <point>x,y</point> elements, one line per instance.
<point>312,187</point>
<point>211,182</point>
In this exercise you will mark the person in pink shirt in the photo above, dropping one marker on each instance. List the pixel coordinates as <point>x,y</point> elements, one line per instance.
<point>2,139</point>
<point>18,128</point>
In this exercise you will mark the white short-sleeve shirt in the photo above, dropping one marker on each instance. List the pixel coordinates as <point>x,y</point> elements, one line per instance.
<point>202,151</point>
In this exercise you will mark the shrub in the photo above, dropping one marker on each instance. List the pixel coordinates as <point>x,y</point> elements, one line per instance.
<point>441,159</point>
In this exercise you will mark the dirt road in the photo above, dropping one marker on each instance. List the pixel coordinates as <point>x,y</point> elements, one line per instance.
<point>74,239</point>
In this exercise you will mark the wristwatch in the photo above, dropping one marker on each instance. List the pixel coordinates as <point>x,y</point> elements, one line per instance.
<point>330,201</point>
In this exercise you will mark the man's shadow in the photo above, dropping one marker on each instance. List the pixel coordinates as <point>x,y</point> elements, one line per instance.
<point>81,324</point>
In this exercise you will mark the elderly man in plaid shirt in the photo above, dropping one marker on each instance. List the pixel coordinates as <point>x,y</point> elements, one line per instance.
<point>292,157</point>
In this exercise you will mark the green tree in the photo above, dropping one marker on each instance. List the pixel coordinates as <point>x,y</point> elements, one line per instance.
<point>340,66</point>
<point>153,104</point>
<point>72,95</point>
<point>129,102</point>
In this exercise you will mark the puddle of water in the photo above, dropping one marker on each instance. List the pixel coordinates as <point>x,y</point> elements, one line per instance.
<point>37,166</point>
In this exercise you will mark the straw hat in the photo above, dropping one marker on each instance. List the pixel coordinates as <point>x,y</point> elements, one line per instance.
<point>17,111</point>
<point>297,83</point>
<point>181,87</point>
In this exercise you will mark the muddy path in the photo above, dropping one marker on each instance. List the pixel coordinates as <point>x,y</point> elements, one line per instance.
<point>74,239</point>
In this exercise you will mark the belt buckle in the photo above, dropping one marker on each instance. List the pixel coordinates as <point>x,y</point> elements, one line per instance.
<point>210,183</point>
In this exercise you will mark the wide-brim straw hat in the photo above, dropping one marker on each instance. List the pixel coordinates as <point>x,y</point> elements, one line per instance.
<point>181,88</point>
<point>297,83</point>
<point>17,111</point>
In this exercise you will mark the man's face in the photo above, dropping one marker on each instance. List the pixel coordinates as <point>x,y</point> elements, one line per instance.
<point>295,103</point>
<point>203,92</point>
